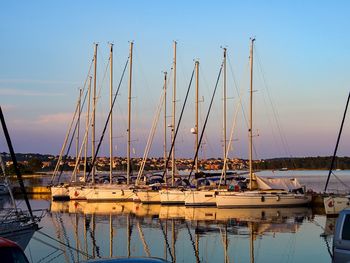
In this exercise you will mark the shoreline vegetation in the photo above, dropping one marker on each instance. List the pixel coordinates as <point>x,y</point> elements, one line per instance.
<point>31,163</point>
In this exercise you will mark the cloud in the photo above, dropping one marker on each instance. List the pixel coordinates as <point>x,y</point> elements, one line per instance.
<point>56,119</point>
<point>21,92</point>
<point>38,81</point>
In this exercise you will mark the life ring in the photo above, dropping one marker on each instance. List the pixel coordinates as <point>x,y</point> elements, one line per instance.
<point>278,198</point>
<point>76,193</point>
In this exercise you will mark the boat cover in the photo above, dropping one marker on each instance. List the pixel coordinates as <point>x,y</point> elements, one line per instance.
<point>288,184</point>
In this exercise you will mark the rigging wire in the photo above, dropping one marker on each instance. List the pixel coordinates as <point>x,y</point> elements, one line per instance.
<point>205,122</point>
<point>151,136</point>
<point>340,181</point>
<point>166,240</point>
<point>107,121</point>
<point>338,139</point>
<point>196,252</point>
<point>240,96</point>
<point>68,132</point>
<point>207,90</point>
<point>62,243</point>
<point>274,111</point>
<point>178,124</point>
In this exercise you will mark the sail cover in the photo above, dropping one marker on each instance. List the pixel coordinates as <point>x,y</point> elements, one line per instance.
<point>288,184</point>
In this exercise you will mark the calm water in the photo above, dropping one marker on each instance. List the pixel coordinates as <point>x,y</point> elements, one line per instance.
<point>74,231</point>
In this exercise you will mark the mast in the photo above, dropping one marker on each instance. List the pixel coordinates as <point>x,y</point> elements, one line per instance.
<point>94,115</point>
<point>78,129</point>
<point>129,115</point>
<point>111,114</point>
<point>336,145</point>
<point>173,120</point>
<point>251,117</point>
<point>196,102</point>
<point>224,117</point>
<point>165,124</point>
<point>87,128</point>
<point>15,165</point>
<point>251,241</point>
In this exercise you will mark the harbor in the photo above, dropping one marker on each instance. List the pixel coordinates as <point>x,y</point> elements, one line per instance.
<point>72,231</point>
<point>174,132</point>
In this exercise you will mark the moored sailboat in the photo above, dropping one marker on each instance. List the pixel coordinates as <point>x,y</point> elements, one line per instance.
<point>262,192</point>
<point>116,192</point>
<point>333,204</point>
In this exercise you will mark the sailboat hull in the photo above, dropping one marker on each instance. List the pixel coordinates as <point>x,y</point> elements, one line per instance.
<point>200,198</point>
<point>78,192</point>
<point>60,193</point>
<point>110,193</point>
<point>172,196</point>
<point>148,196</point>
<point>334,204</point>
<point>260,199</point>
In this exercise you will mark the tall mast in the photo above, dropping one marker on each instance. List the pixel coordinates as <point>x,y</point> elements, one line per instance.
<point>165,124</point>
<point>78,129</point>
<point>129,116</point>
<point>196,102</point>
<point>173,121</point>
<point>251,117</point>
<point>224,117</point>
<point>111,114</point>
<point>94,115</point>
<point>87,127</point>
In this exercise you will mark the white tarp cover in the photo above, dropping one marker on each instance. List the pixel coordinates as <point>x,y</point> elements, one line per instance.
<point>278,183</point>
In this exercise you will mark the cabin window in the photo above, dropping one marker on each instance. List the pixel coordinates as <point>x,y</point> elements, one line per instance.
<point>346,228</point>
<point>208,195</point>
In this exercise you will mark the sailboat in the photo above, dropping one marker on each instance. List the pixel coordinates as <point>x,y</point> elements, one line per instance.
<point>173,195</point>
<point>15,224</point>
<point>263,192</point>
<point>114,192</point>
<point>333,204</point>
<point>148,192</point>
<point>206,195</point>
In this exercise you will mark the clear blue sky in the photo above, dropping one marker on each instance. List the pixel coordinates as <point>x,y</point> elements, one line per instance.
<point>302,49</point>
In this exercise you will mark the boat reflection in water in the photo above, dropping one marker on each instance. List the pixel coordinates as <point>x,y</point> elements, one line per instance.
<point>174,233</point>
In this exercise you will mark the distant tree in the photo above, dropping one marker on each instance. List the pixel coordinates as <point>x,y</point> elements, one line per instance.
<point>35,164</point>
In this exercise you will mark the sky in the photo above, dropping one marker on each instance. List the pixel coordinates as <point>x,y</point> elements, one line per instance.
<point>301,75</point>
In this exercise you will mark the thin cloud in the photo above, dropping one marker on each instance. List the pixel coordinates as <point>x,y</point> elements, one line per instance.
<point>38,81</point>
<point>56,118</point>
<point>21,92</point>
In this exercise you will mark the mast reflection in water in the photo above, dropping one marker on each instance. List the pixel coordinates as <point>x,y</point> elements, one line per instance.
<point>76,230</point>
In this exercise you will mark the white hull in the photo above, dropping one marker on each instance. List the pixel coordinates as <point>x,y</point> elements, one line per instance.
<point>172,196</point>
<point>59,192</point>
<point>148,196</point>
<point>200,198</point>
<point>110,193</point>
<point>334,204</point>
<point>260,199</point>
<point>78,192</point>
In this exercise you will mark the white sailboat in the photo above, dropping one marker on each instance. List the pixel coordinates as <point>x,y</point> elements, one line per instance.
<point>149,193</point>
<point>262,192</point>
<point>172,195</point>
<point>115,192</point>
<point>207,195</point>
<point>78,191</point>
<point>333,204</point>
